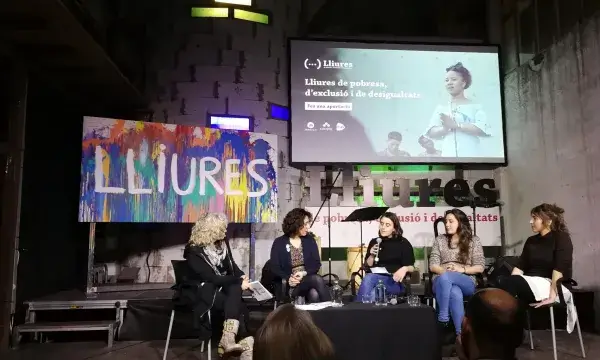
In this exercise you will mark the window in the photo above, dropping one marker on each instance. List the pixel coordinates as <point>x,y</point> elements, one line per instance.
<point>218,12</point>
<point>257,17</point>
<point>231,122</point>
<point>279,112</point>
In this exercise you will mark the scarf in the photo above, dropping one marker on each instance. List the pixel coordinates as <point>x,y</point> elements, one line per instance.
<point>216,255</point>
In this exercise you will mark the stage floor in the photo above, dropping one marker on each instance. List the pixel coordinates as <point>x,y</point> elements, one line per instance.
<point>568,349</point>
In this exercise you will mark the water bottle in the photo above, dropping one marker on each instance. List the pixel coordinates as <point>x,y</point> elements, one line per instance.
<point>380,295</point>
<point>337,293</point>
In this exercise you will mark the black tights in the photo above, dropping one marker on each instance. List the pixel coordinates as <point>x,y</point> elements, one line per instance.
<point>518,287</point>
<point>229,301</point>
<point>313,288</point>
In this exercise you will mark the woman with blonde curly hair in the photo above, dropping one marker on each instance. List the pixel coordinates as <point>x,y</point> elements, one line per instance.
<point>221,282</point>
<point>547,257</point>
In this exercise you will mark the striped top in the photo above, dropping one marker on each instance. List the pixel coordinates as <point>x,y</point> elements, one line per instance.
<point>442,254</point>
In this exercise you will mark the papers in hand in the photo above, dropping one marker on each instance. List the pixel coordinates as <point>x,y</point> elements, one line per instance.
<point>259,292</point>
<point>379,270</point>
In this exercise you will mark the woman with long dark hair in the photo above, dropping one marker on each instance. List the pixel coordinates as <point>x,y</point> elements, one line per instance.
<point>456,258</point>
<point>295,258</point>
<point>393,252</point>
<point>547,257</point>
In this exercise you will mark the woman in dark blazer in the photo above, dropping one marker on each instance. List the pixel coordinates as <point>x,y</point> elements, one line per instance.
<point>218,280</point>
<point>295,258</point>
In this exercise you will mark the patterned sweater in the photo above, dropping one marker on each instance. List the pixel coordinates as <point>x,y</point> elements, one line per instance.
<point>442,254</point>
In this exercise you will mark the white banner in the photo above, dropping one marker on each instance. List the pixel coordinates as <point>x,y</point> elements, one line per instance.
<point>417,224</point>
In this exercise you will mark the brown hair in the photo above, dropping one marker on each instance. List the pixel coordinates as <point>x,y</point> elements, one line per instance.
<point>464,232</point>
<point>553,214</point>
<point>294,221</point>
<point>290,334</point>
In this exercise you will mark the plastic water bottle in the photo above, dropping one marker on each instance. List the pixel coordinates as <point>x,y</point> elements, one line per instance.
<point>337,294</point>
<point>380,294</point>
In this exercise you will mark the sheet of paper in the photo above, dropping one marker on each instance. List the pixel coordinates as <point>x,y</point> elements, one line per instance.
<point>259,292</point>
<point>315,306</point>
<point>379,270</point>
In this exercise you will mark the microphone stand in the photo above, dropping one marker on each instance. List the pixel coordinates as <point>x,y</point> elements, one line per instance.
<point>473,205</point>
<point>328,200</point>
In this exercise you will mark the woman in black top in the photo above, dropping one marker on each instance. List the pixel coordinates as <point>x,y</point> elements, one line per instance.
<point>393,252</point>
<point>547,255</point>
<point>217,281</point>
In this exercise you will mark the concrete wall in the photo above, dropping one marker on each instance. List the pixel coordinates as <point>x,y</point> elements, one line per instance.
<point>553,124</point>
<point>223,66</point>
<point>229,66</point>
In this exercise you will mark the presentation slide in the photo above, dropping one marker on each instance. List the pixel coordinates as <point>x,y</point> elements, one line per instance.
<point>367,103</point>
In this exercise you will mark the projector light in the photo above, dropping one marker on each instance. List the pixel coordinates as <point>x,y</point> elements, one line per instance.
<point>235,2</point>
<point>202,12</point>
<point>251,16</point>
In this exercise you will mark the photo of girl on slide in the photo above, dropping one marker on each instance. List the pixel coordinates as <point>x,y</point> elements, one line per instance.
<point>458,125</point>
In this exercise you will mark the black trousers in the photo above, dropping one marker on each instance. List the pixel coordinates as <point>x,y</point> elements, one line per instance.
<point>313,288</point>
<point>229,301</point>
<point>518,287</point>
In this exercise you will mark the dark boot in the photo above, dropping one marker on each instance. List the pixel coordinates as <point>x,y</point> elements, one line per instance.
<point>446,333</point>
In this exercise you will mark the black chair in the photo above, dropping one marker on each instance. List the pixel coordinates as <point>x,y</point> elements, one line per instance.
<point>180,270</point>
<point>569,284</point>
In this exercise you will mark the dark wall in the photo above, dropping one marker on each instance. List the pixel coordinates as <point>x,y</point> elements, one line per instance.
<point>53,243</point>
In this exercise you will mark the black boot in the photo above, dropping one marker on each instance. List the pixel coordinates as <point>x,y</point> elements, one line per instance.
<point>446,333</point>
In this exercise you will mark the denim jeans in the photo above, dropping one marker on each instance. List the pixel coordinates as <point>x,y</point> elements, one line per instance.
<point>449,289</point>
<point>367,286</point>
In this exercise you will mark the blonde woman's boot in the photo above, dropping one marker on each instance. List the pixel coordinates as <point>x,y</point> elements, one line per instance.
<point>227,346</point>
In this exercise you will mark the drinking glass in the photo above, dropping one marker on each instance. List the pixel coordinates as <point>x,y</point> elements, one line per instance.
<point>413,300</point>
<point>367,298</point>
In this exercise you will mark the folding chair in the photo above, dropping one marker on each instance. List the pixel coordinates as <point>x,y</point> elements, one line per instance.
<point>569,284</point>
<point>179,270</point>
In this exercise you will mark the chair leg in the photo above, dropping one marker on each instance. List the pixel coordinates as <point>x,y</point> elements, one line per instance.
<point>529,330</point>
<point>553,332</point>
<point>580,337</point>
<point>169,334</point>
<point>202,346</point>
<point>210,339</point>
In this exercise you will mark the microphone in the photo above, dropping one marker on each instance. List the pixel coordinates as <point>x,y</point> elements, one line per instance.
<point>377,252</point>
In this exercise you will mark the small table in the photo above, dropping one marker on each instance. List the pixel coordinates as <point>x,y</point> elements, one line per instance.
<point>368,332</point>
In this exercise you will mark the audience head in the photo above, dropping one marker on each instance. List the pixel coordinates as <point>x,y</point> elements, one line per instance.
<point>458,79</point>
<point>457,224</point>
<point>290,334</point>
<point>296,222</point>
<point>492,327</point>
<point>211,228</point>
<point>389,225</point>
<point>546,217</point>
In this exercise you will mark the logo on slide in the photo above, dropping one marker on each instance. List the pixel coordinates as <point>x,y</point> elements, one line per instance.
<point>310,125</point>
<point>312,64</point>
<point>326,126</point>
<point>340,126</point>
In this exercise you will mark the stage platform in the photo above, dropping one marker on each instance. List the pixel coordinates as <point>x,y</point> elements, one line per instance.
<point>141,315</point>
